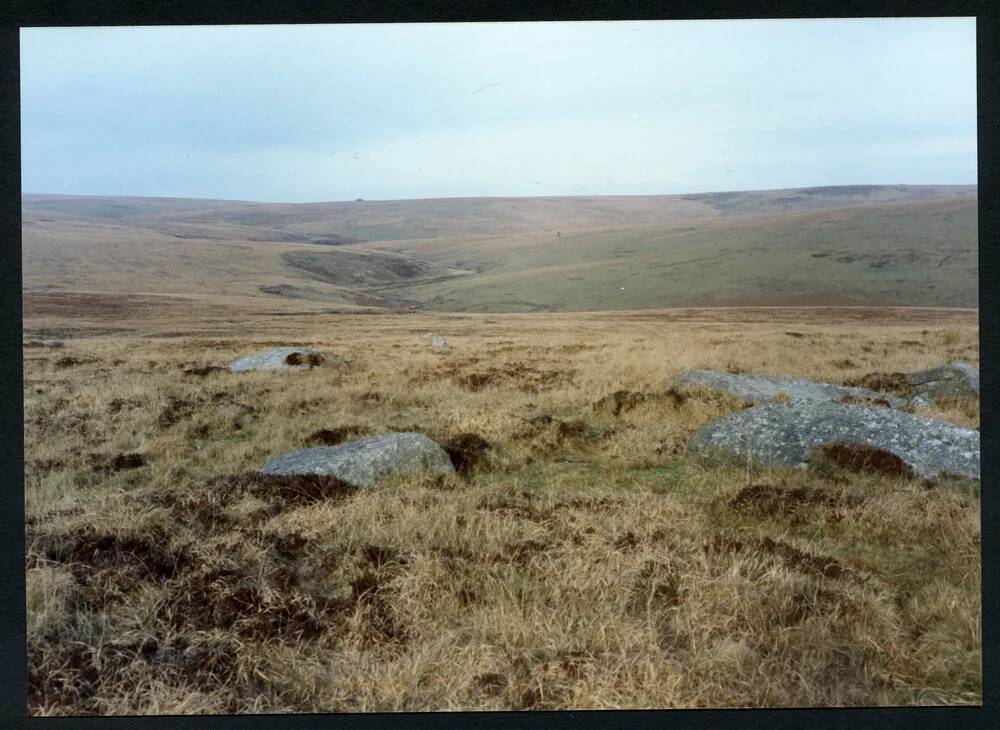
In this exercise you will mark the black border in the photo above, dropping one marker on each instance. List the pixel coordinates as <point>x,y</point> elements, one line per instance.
<point>26,13</point>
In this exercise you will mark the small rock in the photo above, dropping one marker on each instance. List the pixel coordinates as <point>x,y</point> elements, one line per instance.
<point>788,433</point>
<point>364,463</point>
<point>954,380</point>
<point>765,388</point>
<point>280,358</point>
<point>439,343</point>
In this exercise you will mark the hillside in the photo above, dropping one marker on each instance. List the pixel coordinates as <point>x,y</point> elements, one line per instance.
<point>901,245</point>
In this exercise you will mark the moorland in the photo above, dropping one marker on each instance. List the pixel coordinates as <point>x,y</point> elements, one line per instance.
<point>582,556</point>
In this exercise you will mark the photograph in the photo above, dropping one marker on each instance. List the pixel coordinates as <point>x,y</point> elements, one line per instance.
<point>433,367</point>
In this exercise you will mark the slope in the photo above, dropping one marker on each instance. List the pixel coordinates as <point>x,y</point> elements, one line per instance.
<point>909,245</point>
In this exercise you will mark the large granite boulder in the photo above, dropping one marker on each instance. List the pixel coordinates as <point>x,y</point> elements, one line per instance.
<point>765,388</point>
<point>788,433</point>
<point>954,380</point>
<point>280,358</point>
<point>365,462</point>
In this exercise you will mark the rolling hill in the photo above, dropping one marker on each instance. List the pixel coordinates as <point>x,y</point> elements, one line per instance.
<point>899,245</point>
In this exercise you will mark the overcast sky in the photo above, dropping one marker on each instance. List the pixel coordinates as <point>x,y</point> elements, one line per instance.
<point>328,112</point>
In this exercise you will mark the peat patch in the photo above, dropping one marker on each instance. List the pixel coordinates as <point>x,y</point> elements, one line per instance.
<point>467,451</point>
<point>862,458</point>
<point>333,436</point>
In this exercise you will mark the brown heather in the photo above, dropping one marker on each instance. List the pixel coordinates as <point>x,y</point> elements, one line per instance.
<point>582,559</point>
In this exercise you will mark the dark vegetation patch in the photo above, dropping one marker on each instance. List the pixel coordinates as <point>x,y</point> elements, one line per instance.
<point>333,436</point>
<point>796,335</point>
<point>311,359</point>
<point>205,370</point>
<point>657,582</point>
<point>769,500</point>
<point>117,405</point>
<point>379,556</point>
<point>467,451</point>
<point>67,362</point>
<point>571,429</point>
<point>594,504</point>
<point>524,377</point>
<point>64,679</point>
<point>542,679</point>
<point>865,401</point>
<point>790,555</point>
<point>291,490</point>
<point>216,601</point>
<point>103,463</point>
<point>72,677</point>
<point>360,268</point>
<point>249,603</point>
<point>626,543</point>
<point>862,458</point>
<point>844,364</point>
<point>251,597</point>
<point>371,598</point>
<point>206,508</point>
<point>548,432</point>
<point>885,382</point>
<point>45,465</point>
<point>90,549</point>
<point>626,400</point>
<point>223,397</point>
<point>174,409</point>
<point>466,597</point>
<point>491,683</point>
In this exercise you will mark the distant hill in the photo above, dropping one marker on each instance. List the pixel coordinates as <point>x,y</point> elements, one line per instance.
<point>908,245</point>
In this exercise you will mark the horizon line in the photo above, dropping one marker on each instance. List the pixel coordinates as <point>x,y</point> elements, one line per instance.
<point>504,197</point>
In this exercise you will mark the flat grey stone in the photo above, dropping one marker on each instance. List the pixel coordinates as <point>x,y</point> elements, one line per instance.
<point>786,433</point>
<point>954,380</point>
<point>765,388</point>
<point>273,360</point>
<point>365,462</point>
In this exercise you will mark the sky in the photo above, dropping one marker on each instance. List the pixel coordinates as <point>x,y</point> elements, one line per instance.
<point>287,113</point>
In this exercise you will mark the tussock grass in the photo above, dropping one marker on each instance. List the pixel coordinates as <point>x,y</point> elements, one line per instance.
<point>583,559</point>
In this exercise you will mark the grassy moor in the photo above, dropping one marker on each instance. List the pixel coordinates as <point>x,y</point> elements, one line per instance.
<point>581,556</point>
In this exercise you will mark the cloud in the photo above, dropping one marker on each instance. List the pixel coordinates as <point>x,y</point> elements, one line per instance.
<point>293,113</point>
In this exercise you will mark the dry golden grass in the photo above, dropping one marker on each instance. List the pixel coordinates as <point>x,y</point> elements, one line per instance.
<point>586,561</point>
